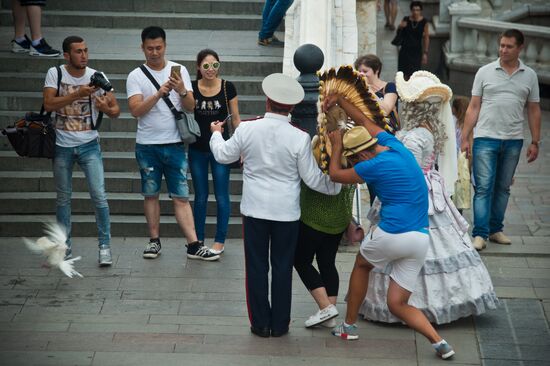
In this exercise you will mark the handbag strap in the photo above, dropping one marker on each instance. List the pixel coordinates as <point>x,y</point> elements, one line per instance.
<point>175,112</point>
<point>230,122</point>
<point>59,76</point>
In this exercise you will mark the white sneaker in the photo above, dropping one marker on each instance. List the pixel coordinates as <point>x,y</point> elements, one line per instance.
<point>322,316</point>
<point>331,323</point>
<point>479,243</point>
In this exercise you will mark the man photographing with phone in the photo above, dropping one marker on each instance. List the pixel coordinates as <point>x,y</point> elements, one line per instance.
<point>156,93</point>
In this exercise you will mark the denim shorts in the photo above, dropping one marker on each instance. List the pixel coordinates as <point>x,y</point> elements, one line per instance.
<point>169,160</point>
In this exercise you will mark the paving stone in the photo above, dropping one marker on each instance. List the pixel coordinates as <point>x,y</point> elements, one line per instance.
<point>140,307</point>
<point>46,358</point>
<point>35,326</point>
<point>65,306</point>
<point>89,283</point>
<point>135,319</point>
<point>90,294</point>
<point>7,312</point>
<point>542,292</point>
<point>156,283</point>
<point>176,359</point>
<point>539,263</point>
<point>515,292</point>
<point>123,327</point>
<point>464,344</point>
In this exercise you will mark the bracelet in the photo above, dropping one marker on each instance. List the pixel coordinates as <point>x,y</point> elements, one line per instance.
<point>536,143</point>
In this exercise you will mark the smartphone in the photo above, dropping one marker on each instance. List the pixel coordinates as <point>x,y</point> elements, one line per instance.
<point>175,70</point>
<point>227,118</point>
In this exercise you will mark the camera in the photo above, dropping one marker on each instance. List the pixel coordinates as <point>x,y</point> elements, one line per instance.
<point>100,81</point>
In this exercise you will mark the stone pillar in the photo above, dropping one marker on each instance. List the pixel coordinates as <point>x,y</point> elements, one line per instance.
<point>366,26</point>
<point>308,59</point>
<point>458,10</point>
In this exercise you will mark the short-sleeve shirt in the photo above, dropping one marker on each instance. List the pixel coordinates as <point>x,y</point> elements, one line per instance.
<point>158,126</point>
<point>503,99</point>
<point>210,109</point>
<point>400,186</point>
<point>388,89</point>
<point>73,122</point>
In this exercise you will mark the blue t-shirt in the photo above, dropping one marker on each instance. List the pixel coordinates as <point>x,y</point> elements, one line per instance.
<point>400,186</point>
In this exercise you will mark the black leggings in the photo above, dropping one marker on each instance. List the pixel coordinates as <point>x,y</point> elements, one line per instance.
<point>324,247</point>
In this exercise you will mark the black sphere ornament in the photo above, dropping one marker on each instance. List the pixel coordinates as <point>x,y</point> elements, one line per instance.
<point>308,58</point>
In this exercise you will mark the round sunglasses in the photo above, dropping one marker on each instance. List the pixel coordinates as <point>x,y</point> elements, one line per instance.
<point>213,65</point>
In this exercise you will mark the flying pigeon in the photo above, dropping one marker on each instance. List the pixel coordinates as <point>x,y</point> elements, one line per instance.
<point>53,247</point>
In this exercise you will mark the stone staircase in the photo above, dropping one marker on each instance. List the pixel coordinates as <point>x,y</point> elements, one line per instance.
<point>112,31</point>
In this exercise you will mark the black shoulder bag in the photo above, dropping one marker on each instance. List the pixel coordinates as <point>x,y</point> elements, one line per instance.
<point>187,126</point>
<point>33,136</point>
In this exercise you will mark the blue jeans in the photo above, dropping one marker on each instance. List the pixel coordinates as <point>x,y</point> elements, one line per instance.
<point>198,164</point>
<point>274,11</point>
<point>88,157</point>
<point>169,160</point>
<point>494,165</point>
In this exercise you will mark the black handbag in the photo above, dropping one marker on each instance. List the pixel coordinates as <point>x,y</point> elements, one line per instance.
<point>33,136</point>
<point>398,39</point>
<point>187,125</point>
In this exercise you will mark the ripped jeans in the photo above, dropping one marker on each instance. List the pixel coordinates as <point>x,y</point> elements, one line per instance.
<point>169,160</point>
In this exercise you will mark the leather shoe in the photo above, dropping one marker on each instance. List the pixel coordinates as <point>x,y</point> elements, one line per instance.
<point>500,238</point>
<point>278,333</point>
<point>479,243</point>
<point>260,332</point>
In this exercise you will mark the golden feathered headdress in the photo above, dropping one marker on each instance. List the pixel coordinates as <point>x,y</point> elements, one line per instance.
<point>353,86</point>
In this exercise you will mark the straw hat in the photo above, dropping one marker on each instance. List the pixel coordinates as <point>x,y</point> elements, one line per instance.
<point>357,139</point>
<point>422,86</point>
<point>283,89</point>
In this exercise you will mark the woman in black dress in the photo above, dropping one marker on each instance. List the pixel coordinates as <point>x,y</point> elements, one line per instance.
<point>414,30</point>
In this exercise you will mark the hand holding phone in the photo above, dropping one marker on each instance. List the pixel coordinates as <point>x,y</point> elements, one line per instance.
<point>175,70</point>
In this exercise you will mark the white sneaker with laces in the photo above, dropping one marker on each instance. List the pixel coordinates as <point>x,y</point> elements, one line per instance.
<point>321,316</point>
<point>331,323</point>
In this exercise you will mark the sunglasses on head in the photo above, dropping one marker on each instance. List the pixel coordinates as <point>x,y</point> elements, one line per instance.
<point>213,65</point>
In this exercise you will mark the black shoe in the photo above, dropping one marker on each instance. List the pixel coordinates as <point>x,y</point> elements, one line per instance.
<point>197,250</point>
<point>43,49</point>
<point>260,332</point>
<point>152,250</point>
<point>278,333</point>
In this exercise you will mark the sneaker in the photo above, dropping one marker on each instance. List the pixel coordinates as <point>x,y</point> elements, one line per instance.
<point>445,351</point>
<point>105,258</point>
<point>331,323</point>
<point>479,243</point>
<point>152,250</point>
<point>43,49</point>
<point>348,333</point>
<point>216,251</point>
<point>276,42</point>
<point>500,238</point>
<point>21,47</point>
<point>321,316</point>
<point>199,251</point>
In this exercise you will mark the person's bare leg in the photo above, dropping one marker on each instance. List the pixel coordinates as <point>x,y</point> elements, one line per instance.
<point>34,15</point>
<point>358,285</point>
<point>398,299</point>
<point>393,12</point>
<point>387,11</point>
<point>321,298</point>
<point>19,16</point>
<point>184,217</point>
<point>151,207</point>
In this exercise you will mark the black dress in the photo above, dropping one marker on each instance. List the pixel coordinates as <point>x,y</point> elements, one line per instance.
<point>410,53</point>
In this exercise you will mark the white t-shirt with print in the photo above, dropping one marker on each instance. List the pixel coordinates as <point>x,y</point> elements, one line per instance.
<point>73,122</point>
<point>158,126</point>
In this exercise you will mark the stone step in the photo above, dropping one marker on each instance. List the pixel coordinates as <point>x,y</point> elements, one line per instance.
<point>133,20</point>
<point>142,6</point>
<point>29,101</point>
<point>121,226</point>
<point>124,63</point>
<point>43,203</point>
<point>124,123</point>
<point>112,162</point>
<point>115,182</point>
<point>34,82</point>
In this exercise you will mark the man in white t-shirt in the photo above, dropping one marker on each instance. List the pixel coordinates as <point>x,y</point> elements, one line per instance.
<point>500,93</point>
<point>78,107</point>
<point>159,149</point>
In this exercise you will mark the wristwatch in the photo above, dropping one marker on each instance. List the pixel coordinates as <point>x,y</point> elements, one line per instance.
<point>536,143</point>
<point>183,95</point>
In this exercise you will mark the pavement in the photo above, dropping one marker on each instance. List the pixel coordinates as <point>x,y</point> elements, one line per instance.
<point>175,311</point>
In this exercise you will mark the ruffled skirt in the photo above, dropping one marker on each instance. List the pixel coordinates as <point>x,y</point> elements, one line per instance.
<point>454,281</point>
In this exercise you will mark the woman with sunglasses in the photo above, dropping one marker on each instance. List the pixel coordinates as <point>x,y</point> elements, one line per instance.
<point>215,100</point>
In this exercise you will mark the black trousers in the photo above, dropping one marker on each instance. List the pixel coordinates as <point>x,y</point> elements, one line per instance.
<point>322,246</point>
<point>266,242</point>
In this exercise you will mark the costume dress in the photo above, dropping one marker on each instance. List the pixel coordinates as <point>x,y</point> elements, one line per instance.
<point>454,282</point>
